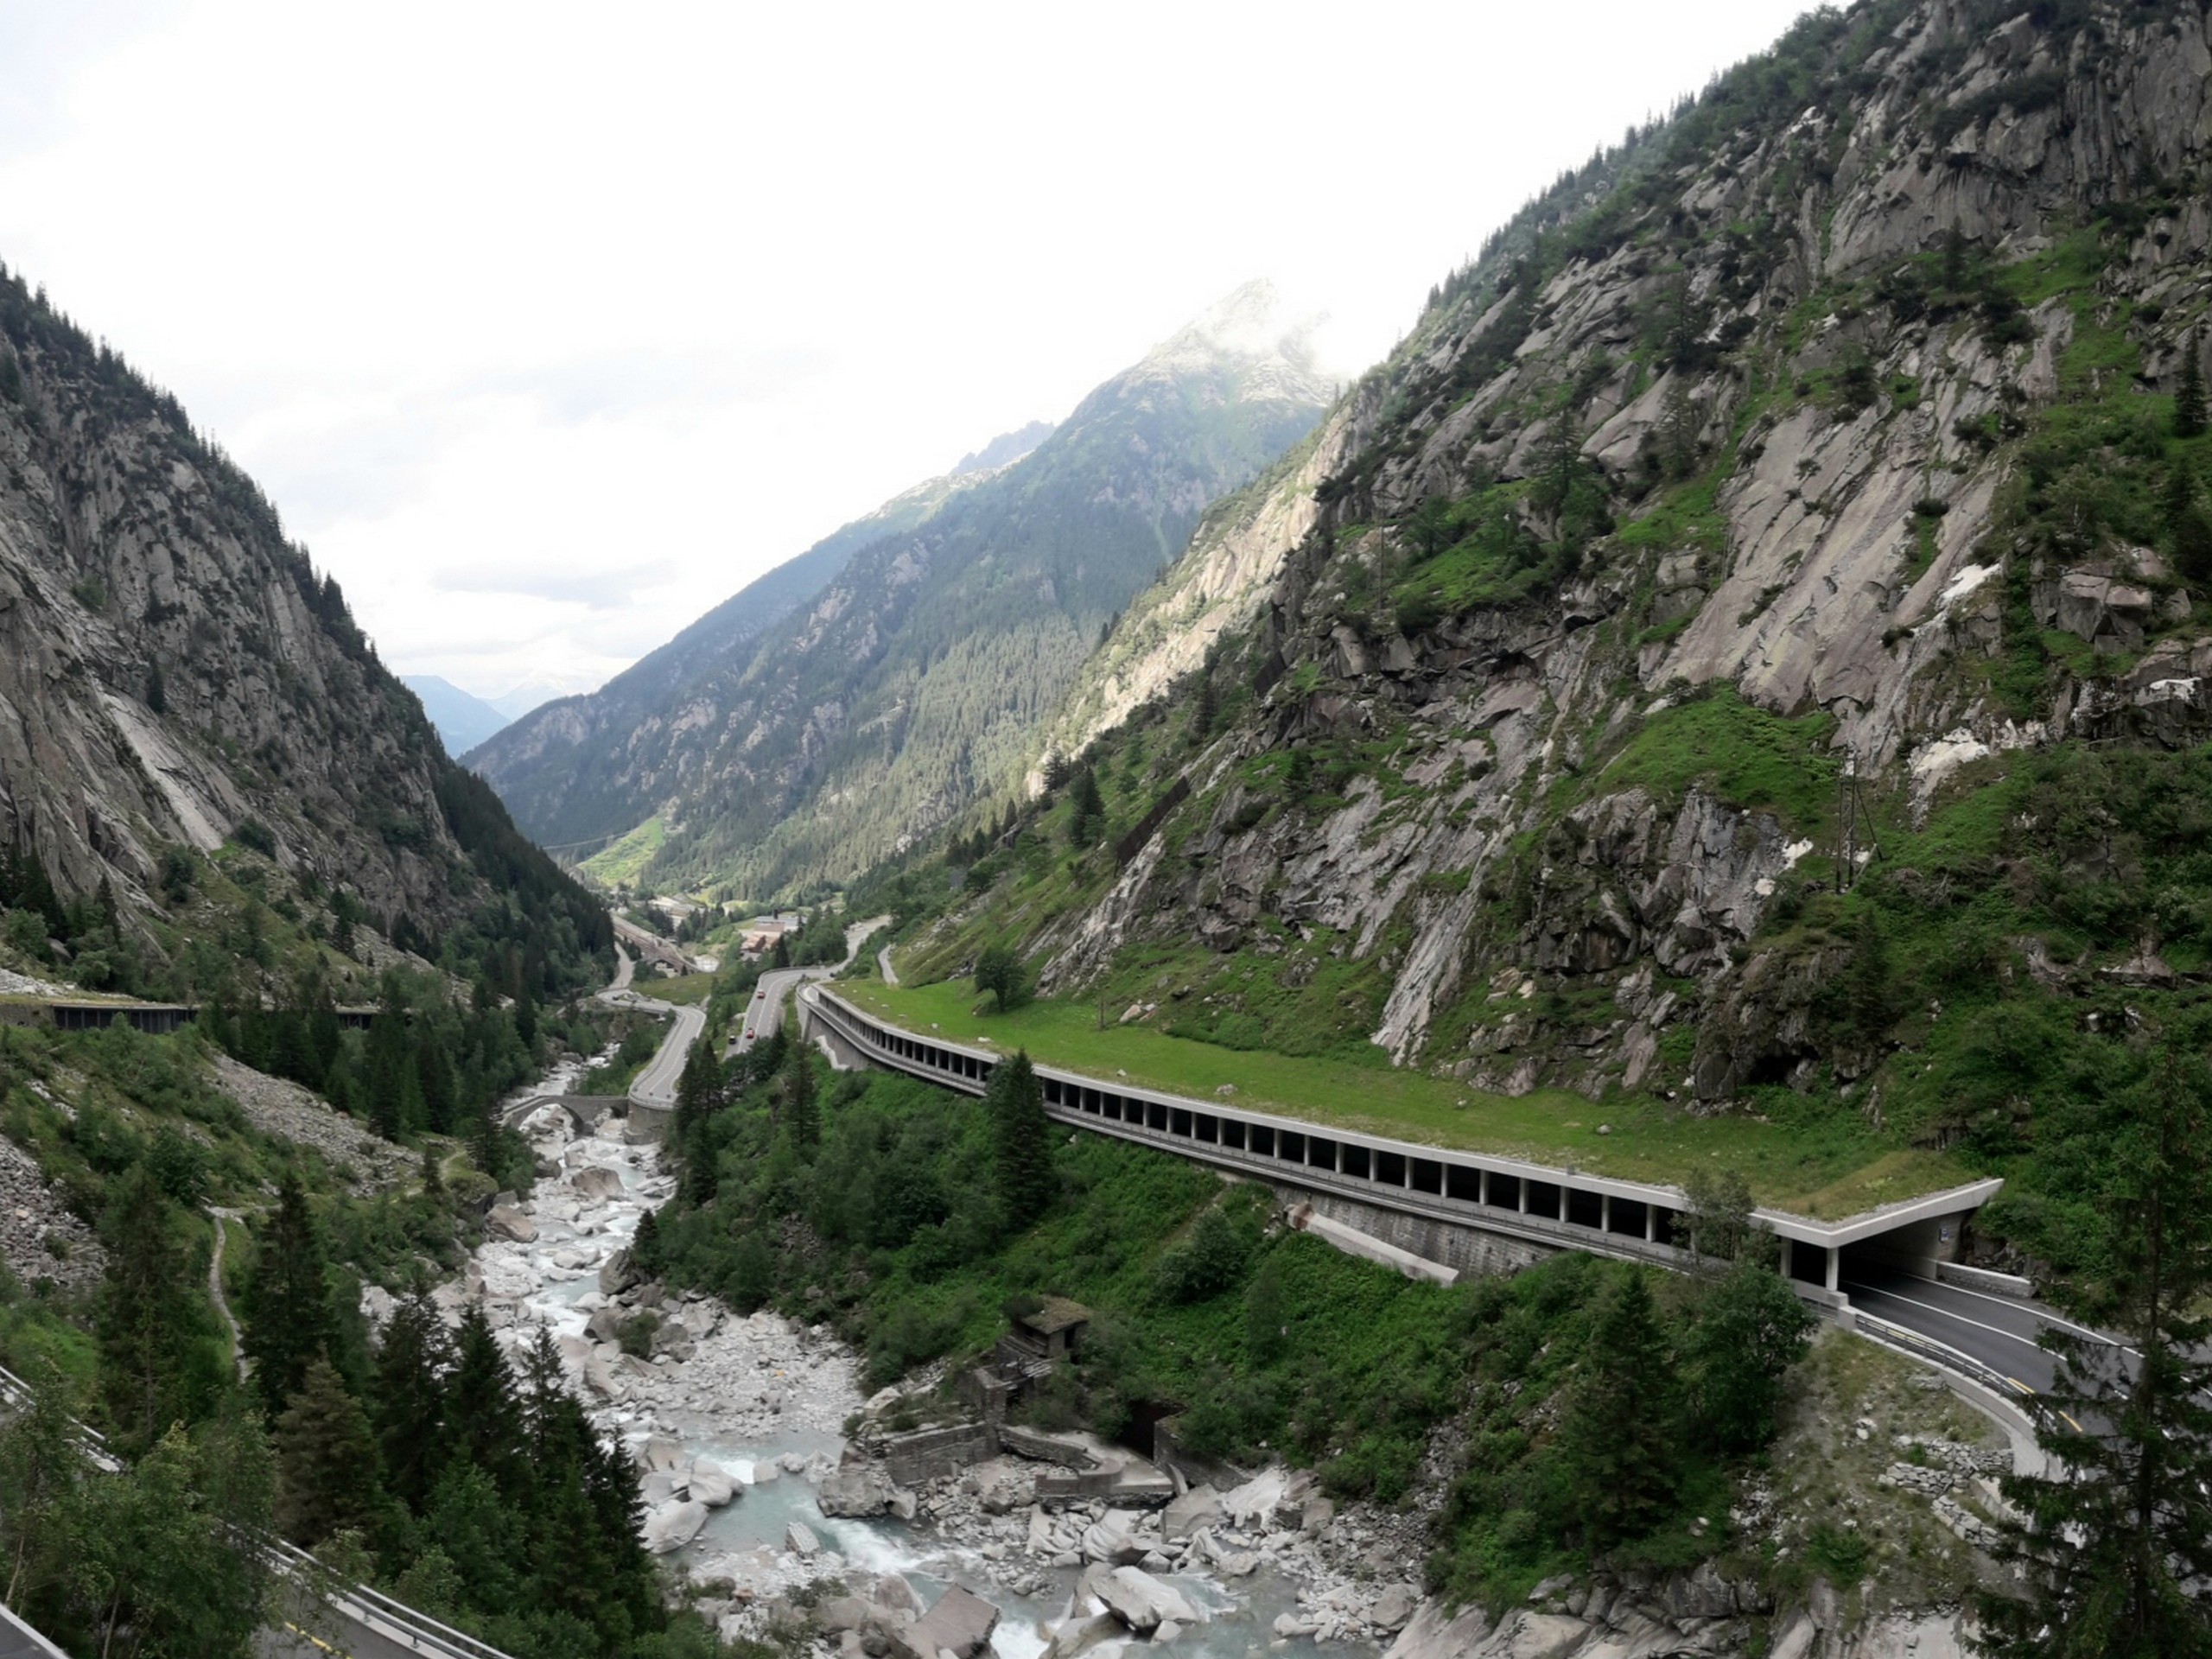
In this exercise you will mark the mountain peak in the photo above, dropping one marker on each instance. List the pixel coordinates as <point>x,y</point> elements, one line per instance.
<point>1248,332</point>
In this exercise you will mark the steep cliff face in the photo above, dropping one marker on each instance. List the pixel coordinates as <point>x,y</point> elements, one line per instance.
<point>1764,489</point>
<point>172,669</point>
<point>916,680</point>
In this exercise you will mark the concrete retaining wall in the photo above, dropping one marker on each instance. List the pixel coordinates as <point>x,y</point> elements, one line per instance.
<point>1469,1250</point>
<point>1982,1279</point>
<point>933,1453</point>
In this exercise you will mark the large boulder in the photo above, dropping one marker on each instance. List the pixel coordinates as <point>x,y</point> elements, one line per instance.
<point>1199,1507</point>
<point>1142,1602</point>
<point>1434,1632</point>
<point>670,1527</point>
<point>854,1492</point>
<point>799,1539</point>
<point>1112,1538</point>
<point>596,1182</point>
<point>510,1223</point>
<point>616,1274</point>
<point>961,1624</point>
<point>711,1485</point>
<point>1393,1608</point>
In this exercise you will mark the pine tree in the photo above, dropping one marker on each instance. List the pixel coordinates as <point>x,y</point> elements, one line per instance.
<point>2188,526</point>
<point>781,956</point>
<point>1021,1138</point>
<point>699,1091</point>
<point>1619,1437</point>
<point>410,1371</point>
<point>388,1062</point>
<point>2114,1544</point>
<point>151,1316</point>
<point>645,1244</point>
<point>1205,710</point>
<point>2189,396</point>
<point>435,1083</point>
<point>1086,809</point>
<point>289,1322</point>
<point>327,1477</point>
<point>483,1421</point>
<point>802,1110</point>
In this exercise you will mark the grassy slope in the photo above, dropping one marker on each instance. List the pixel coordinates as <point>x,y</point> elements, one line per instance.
<point>1814,1176</point>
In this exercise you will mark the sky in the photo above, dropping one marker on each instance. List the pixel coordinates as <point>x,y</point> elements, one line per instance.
<point>547,326</point>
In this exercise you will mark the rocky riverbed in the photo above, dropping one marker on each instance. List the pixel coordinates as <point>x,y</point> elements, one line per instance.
<point>738,1422</point>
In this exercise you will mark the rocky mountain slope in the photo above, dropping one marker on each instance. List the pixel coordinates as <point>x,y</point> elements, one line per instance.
<point>174,673</point>
<point>913,681</point>
<point>1819,475</point>
<point>564,768</point>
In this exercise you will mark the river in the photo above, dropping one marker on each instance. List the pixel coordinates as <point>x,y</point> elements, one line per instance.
<point>763,1401</point>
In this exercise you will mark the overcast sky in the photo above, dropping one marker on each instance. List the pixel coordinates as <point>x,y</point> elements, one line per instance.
<point>547,326</point>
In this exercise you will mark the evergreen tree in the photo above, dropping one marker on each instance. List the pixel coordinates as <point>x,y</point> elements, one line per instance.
<point>43,1470</point>
<point>435,1083</point>
<point>699,1090</point>
<point>1021,1138</point>
<point>327,1478</point>
<point>388,1062</point>
<point>483,1421</point>
<point>801,1110</point>
<point>2115,1544</point>
<point>1086,809</point>
<point>289,1322</point>
<point>2188,526</point>
<point>1751,1328</point>
<point>410,1370</point>
<point>2188,395</point>
<point>781,956</point>
<point>645,1244</point>
<point>1618,1436</point>
<point>1205,710</point>
<point>150,1318</point>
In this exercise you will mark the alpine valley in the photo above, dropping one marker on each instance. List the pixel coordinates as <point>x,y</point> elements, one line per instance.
<point>1551,1005</point>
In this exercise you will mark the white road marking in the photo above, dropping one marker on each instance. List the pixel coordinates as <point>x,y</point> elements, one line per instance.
<point>1995,1331</point>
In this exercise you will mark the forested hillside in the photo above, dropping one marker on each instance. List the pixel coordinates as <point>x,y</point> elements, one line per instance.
<point>1740,652</point>
<point>916,680</point>
<point>566,769</point>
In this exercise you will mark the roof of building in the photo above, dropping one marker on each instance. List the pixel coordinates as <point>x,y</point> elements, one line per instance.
<point>1056,1315</point>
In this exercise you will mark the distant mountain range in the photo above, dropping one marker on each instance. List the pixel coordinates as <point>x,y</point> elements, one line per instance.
<point>857,697</point>
<point>465,720</point>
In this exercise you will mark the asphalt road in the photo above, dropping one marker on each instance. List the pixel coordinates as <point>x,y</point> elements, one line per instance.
<point>765,1011</point>
<point>2000,1333</point>
<point>655,1083</point>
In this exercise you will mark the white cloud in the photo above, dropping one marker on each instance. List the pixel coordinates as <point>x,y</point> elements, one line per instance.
<point>548,325</point>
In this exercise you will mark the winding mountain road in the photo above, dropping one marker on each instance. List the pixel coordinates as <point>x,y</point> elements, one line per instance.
<point>765,1011</point>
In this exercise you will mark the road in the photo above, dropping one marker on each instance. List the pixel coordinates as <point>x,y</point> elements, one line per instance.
<point>1988,1337</point>
<point>656,1084</point>
<point>765,1011</point>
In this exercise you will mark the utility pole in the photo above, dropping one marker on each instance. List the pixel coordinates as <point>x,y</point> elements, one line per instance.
<point>1850,808</point>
